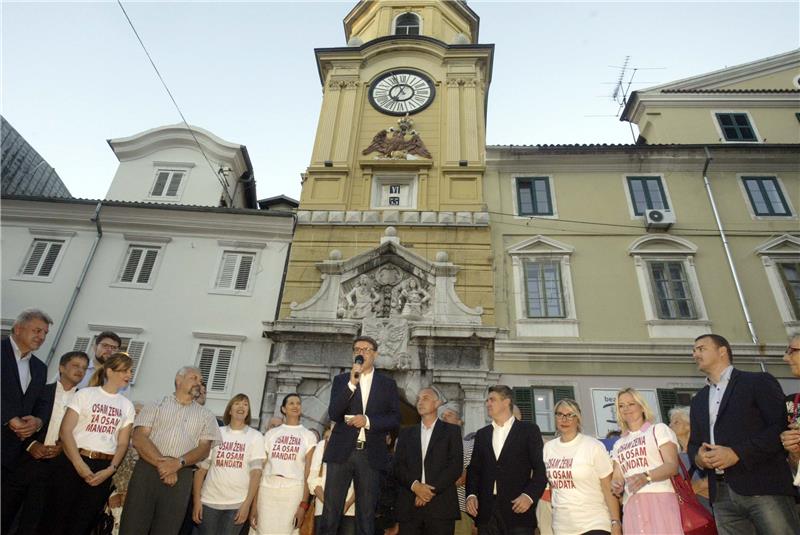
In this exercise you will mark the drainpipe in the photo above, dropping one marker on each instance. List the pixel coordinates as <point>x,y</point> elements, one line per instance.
<point>96,219</point>
<point>726,246</point>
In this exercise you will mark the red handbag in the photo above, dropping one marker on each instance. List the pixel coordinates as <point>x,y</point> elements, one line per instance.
<point>695,518</point>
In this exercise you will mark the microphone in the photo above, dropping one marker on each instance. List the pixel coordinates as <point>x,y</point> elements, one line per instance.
<point>360,361</point>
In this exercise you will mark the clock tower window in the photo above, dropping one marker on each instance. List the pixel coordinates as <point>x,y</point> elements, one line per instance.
<point>407,24</point>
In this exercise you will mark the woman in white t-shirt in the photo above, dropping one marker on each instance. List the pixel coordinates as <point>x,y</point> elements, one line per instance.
<point>283,495</point>
<point>645,458</point>
<point>579,472</point>
<point>226,483</point>
<point>316,483</point>
<point>95,433</point>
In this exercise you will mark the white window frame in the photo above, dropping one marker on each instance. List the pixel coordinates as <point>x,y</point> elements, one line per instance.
<point>48,235</point>
<point>381,180</point>
<point>721,134</point>
<point>394,21</point>
<point>515,196</point>
<point>629,198</point>
<point>131,241</point>
<point>237,247</point>
<point>751,209</point>
<point>666,248</point>
<point>170,167</point>
<point>132,343</point>
<point>541,248</point>
<point>782,248</point>
<point>220,340</point>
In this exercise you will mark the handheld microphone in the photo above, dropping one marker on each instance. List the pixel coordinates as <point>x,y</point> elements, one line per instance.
<point>360,361</point>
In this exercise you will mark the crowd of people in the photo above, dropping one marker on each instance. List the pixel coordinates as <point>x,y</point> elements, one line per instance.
<point>79,458</point>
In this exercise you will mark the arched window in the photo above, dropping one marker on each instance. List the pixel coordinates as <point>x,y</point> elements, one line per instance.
<point>407,24</point>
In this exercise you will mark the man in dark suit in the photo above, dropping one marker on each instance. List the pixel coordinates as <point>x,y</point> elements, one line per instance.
<point>506,476</point>
<point>365,406</point>
<point>25,405</point>
<point>736,423</point>
<point>427,462</point>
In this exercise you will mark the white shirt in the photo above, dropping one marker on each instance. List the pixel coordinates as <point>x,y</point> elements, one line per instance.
<point>101,416</point>
<point>425,439</point>
<point>715,394</point>
<point>23,365</point>
<point>499,436</point>
<point>637,452</point>
<point>229,465</point>
<point>286,447</point>
<point>316,478</point>
<point>63,398</point>
<point>365,380</point>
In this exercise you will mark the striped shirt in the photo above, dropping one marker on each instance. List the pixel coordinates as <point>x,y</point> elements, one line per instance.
<point>177,429</point>
<point>469,442</point>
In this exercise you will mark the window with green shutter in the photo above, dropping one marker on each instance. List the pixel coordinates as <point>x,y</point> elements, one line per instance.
<point>766,196</point>
<point>790,276</point>
<point>536,404</point>
<point>736,127</point>
<point>533,196</point>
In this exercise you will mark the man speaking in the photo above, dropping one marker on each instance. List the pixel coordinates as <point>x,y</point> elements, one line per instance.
<point>364,407</point>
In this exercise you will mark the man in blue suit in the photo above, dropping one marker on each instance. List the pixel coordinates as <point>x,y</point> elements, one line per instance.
<point>736,424</point>
<point>25,403</point>
<point>364,407</point>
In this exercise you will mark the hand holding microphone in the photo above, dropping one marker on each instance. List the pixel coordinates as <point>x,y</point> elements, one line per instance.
<point>355,372</point>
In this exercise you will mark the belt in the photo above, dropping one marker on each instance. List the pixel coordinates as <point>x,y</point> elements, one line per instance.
<point>361,444</point>
<point>95,454</point>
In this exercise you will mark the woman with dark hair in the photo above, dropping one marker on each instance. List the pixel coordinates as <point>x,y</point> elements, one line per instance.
<point>95,433</point>
<point>282,498</point>
<point>226,483</point>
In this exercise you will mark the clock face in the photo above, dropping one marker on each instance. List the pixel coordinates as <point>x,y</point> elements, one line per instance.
<point>401,92</point>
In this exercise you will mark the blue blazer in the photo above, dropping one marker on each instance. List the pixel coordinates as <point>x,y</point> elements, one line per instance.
<point>520,468</point>
<point>35,401</point>
<point>383,411</point>
<point>751,417</point>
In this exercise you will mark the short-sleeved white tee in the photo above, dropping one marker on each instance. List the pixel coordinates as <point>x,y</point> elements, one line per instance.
<point>574,470</point>
<point>637,452</point>
<point>286,447</point>
<point>229,465</point>
<point>101,416</point>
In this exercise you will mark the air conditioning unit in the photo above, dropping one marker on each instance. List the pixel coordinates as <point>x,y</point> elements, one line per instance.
<point>659,219</point>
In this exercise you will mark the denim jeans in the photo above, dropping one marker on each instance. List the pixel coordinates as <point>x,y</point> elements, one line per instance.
<point>218,522</point>
<point>745,515</point>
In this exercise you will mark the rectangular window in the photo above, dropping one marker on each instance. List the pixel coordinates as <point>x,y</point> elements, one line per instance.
<point>134,349</point>
<point>533,196</point>
<point>41,259</point>
<point>234,271</point>
<point>544,292</point>
<point>673,297</point>
<point>766,196</point>
<point>167,183</point>
<point>790,276</point>
<point>138,266</point>
<point>536,404</point>
<point>647,193</point>
<point>736,127</point>
<point>215,365</point>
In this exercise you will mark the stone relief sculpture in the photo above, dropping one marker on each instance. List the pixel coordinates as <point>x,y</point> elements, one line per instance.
<point>392,144</point>
<point>362,299</point>
<point>392,337</point>
<point>413,298</point>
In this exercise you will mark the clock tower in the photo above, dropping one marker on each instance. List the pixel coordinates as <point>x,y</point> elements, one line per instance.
<point>392,236</point>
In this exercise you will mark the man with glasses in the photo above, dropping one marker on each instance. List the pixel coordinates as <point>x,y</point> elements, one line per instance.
<point>105,344</point>
<point>791,437</point>
<point>365,407</point>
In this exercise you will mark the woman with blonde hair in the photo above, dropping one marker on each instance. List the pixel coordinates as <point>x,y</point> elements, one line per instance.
<point>95,433</point>
<point>579,472</point>
<point>645,458</point>
<point>225,484</point>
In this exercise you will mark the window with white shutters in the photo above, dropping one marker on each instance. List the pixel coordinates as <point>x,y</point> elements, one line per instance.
<point>41,259</point>
<point>235,271</point>
<point>167,184</point>
<point>216,363</point>
<point>137,270</point>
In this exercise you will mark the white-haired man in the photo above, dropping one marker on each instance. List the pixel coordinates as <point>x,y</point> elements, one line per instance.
<point>171,436</point>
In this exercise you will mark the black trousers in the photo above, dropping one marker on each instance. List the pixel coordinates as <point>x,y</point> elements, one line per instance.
<point>74,505</point>
<point>25,487</point>
<point>366,481</point>
<point>151,507</point>
<point>427,526</point>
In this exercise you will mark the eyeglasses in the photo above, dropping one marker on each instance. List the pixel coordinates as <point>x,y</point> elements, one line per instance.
<point>357,350</point>
<point>791,350</point>
<point>569,417</point>
<point>112,347</point>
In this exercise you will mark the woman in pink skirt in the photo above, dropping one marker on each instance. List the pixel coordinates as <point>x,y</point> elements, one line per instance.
<point>645,458</point>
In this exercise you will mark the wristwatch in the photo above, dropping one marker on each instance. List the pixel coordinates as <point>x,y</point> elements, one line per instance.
<point>647,476</point>
<point>615,522</point>
<point>183,463</point>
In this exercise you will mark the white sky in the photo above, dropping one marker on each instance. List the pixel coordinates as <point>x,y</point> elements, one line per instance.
<point>74,75</point>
